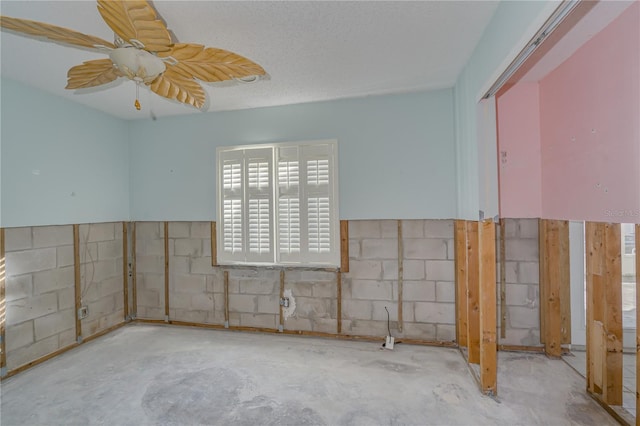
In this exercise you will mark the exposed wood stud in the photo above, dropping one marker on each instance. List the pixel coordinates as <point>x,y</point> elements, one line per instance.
<point>503,281</point>
<point>226,297</point>
<point>3,305</point>
<point>487,299</point>
<point>339,301</point>
<point>552,274</point>
<point>344,245</point>
<point>542,267</point>
<point>77,280</point>
<point>565,282</point>
<point>125,270</point>
<point>134,278</point>
<point>473,301</point>
<point>400,275</point>
<point>612,392</point>
<point>593,248</point>
<point>166,271</point>
<point>214,246</point>
<point>281,316</point>
<point>460,239</point>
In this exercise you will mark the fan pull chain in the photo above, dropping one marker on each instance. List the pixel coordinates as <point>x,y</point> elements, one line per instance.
<point>137,102</point>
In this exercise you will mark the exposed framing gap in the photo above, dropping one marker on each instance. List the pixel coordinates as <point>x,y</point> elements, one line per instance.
<point>473,289</point>
<point>487,297</point>
<point>77,280</point>
<point>3,307</point>
<point>166,271</point>
<point>400,275</point>
<point>503,281</point>
<point>125,270</point>
<point>134,278</point>
<point>460,256</point>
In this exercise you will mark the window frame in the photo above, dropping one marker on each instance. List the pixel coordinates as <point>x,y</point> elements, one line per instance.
<point>275,257</point>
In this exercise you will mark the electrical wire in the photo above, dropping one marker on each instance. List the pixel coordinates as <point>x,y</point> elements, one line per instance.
<point>388,321</point>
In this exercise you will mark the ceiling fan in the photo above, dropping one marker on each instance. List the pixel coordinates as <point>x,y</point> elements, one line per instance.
<point>143,51</point>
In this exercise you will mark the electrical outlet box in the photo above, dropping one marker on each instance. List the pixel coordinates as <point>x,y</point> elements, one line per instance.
<point>388,344</point>
<point>83,312</point>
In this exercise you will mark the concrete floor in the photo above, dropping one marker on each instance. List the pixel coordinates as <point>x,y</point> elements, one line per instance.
<point>144,375</point>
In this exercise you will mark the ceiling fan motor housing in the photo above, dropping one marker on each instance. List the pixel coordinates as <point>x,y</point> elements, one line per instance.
<point>137,64</point>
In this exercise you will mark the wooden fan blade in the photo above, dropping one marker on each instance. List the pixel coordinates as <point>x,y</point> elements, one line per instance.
<point>172,85</point>
<point>91,74</point>
<point>53,33</point>
<point>209,63</point>
<point>136,21</point>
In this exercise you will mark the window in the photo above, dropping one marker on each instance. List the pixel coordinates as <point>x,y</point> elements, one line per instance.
<point>278,204</point>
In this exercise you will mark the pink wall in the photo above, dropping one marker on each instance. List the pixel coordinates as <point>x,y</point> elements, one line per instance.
<point>590,128</point>
<point>519,138</point>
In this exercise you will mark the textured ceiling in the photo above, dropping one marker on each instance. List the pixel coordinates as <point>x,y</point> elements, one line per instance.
<point>312,51</point>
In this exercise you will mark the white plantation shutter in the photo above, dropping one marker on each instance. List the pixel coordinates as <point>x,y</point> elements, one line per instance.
<point>259,199</point>
<point>278,204</point>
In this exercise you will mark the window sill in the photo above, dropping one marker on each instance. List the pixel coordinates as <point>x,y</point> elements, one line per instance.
<point>273,267</point>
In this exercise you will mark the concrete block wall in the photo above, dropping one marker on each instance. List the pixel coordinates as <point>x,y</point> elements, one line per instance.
<point>150,270</point>
<point>40,297</point>
<point>101,277</point>
<point>428,279</point>
<point>314,294</point>
<point>196,289</point>
<point>254,298</point>
<point>522,283</point>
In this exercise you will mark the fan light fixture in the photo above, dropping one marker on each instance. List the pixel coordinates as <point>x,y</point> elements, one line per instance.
<point>144,52</point>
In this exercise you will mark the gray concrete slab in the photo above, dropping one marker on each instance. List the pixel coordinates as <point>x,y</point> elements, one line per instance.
<point>147,375</point>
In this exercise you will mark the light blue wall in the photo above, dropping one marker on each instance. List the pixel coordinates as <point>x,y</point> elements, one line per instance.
<point>396,155</point>
<point>512,26</point>
<point>61,162</point>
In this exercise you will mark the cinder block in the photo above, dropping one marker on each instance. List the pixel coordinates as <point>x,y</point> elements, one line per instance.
<point>26,309</point>
<point>206,247</point>
<point>371,290</point>
<point>101,232</point>
<point>293,323</point>
<point>420,331</point>
<point>66,298</point>
<point>102,270</point>
<point>299,289</point>
<point>148,298</point>
<point>523,317</point>
<point>389,229</point>
<point>23,262</point>
<point>201,230</point>
<point>369,328</point>
<point>103,306</point>
<point>32,352</point>
<point>108,250</point>
<point>179,265</point>
<point>324,325</point>
<point>425,249</point>
<point>365,269</point>
<point>521,337</point>
<point>146,264</point>
<point>19,335</point>
<point>325,290</point>
<point>511,272</point>
<point>258,320</point>
<point>201,265</point>
<point>111,286</point>
<point>16,239</point>
<point>522,249</point>
<point>202,302</point>
<point>528,228</point>
<point>151,281</point>
<point>520,295</point>
<point>110,320</point>
<point>215,284</point>
<point>179,229</point>
<point>308,307</point>
<point>149,230</point>
<point>438,228</point>
<point>88,252</point>
<point>529,272</point>
<point>510,228</point>
<point>18,287</point>
<point>149,247</point>
<point>440,270</point>
<point>413,270</point>
<point>153,313</point>
<point>424,291</point>
<point>66,338</point>
<point>65,256</point>
<point>318,276</point>
<point>379,249</point>
<point>179,300</point>
<point>435,313</point>
<point>55,323</point>
<point>271,304</point>
<point>190,283</point>
<point>445,333</point>
<point>188,247</point>
<point>52,236</point>
<point>445,291</point>
<point>186,315</point>
<point>357,309</point>
<point>354,249</point>
<point>262,286</point>
<point>364,229</point>
<point>390,269</point>
<point>55,279</point>
<point>380,314</point>
<point>408,312</point>
<point>242,303</point>
<point>412,229</point>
